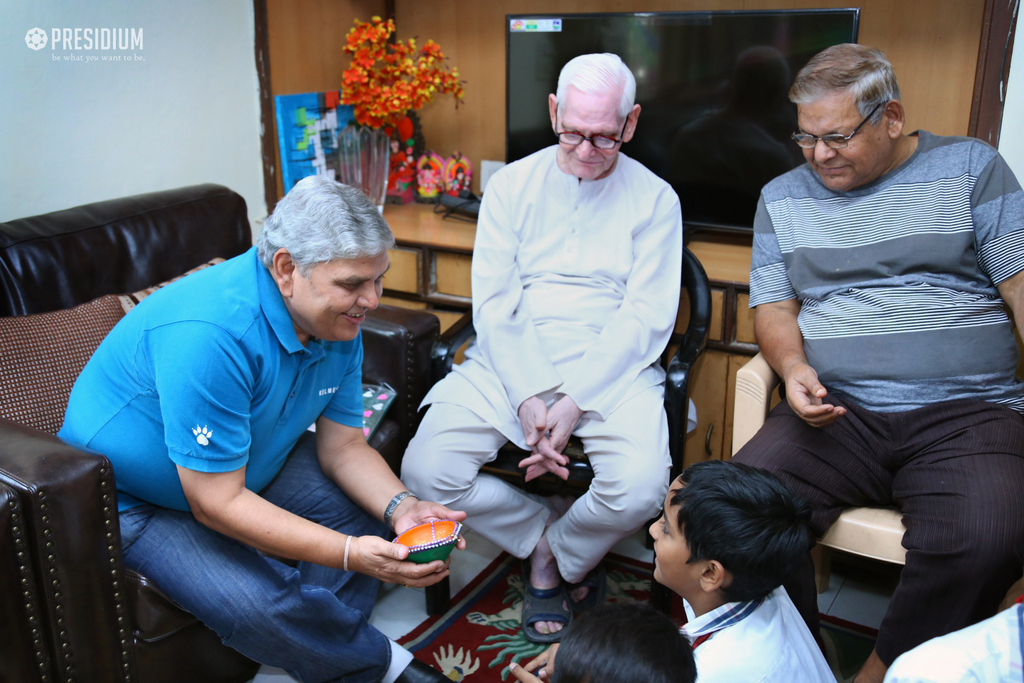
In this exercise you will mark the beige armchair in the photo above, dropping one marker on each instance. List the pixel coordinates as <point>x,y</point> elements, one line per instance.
<point>875,533</point>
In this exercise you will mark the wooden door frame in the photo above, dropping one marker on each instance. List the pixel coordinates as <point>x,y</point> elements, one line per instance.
<point>268,137</point>
<point>994,54</point>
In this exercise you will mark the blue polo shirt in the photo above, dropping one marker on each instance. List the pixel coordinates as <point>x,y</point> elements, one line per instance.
<point>208,373</point>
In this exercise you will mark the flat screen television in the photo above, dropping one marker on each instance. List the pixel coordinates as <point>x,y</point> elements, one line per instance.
<point>715,118</point>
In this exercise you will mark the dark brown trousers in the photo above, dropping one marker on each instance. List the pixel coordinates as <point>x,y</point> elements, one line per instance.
<point>955,469</point>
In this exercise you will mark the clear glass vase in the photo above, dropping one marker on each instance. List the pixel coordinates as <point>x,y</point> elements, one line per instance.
<point>363,156</point>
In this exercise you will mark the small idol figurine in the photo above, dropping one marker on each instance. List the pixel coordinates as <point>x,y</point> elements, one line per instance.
<point>458,173</point>
<point>429,179</point>
<point>402,167</point>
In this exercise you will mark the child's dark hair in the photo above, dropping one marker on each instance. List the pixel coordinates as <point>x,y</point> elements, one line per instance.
<point>748,520</point>
<point>624,643</point>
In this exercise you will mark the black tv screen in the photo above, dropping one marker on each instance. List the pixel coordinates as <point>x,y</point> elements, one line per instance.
<point>715,118</point>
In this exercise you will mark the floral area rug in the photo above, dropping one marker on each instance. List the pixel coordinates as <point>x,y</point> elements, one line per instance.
<point>480,634</point>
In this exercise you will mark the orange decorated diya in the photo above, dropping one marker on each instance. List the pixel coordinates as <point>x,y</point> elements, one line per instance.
<point>430,541</point>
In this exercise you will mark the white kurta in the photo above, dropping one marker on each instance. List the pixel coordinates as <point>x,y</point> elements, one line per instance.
<point>575,289</point>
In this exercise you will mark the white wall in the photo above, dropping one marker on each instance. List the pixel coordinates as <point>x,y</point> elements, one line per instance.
<point>183,109</point>
<point>1011,132</point>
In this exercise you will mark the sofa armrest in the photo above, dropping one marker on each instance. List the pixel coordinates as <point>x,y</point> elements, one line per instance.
<point>396,350</point>
<point>23,652</point>
<point>755,383</point>
<point>69,509</point>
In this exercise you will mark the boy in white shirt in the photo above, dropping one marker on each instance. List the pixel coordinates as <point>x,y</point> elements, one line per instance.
<point>729,536</point>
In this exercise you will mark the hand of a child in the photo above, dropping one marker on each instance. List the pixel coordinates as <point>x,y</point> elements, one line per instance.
<point>522,674</point>
<point>543,665</point>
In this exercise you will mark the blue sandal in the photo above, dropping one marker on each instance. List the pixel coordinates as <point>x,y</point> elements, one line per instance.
<point>543,604</point>
<point>597,581</point>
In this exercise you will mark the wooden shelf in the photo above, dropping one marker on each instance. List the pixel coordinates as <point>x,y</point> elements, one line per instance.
<point>418,225</point>
<point>726,258</point>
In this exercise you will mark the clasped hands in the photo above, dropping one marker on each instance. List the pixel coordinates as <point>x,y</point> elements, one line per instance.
<point>382,559</point>
<point>547,432</point>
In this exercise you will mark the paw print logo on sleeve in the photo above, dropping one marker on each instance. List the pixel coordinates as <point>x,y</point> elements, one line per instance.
<point>203,435</point>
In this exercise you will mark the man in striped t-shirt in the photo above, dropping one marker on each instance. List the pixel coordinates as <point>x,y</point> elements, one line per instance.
<point>882,271</point>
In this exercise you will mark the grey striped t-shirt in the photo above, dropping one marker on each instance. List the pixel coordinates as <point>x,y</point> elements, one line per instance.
<point>897,279</point>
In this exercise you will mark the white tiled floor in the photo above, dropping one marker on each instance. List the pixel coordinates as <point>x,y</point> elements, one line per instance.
<point>858,592</point>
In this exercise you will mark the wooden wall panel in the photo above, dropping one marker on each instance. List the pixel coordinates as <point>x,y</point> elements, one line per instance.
<point>933,45</point>
<point>307,40</point>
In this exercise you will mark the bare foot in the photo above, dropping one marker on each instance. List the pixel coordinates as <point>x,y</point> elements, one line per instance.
<point>544,574</point>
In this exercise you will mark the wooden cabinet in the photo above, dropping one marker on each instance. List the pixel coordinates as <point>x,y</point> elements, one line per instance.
<point>731,343</point>
<point>708,389</point>
<point>430,264</point>
<point>452,274</point>
<point>403,275</point>
<point>713,390</point>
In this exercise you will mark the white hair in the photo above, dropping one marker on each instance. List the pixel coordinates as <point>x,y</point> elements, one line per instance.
<point>597,74</point>
<point>321,220</point>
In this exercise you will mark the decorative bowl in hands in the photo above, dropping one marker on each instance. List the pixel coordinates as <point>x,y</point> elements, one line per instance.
<point>430,541</point>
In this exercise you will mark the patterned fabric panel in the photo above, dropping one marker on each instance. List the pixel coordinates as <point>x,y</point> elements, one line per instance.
<point>130,301</point>
<point>41,356</point>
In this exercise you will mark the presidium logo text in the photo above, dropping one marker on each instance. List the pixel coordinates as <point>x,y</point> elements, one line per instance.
<point>85,38</point>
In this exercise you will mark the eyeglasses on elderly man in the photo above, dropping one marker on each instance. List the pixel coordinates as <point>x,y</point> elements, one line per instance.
<point>833,140</point>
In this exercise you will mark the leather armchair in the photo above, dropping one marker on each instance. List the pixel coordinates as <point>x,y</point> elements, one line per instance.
<point>69,609</point>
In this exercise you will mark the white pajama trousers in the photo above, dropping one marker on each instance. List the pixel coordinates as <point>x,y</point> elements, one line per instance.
<point>628,452</point>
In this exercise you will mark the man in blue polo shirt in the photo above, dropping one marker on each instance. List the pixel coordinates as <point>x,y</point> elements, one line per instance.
<point>201,398</point>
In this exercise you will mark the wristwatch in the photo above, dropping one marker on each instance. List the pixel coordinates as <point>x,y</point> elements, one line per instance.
<point>393,505</point>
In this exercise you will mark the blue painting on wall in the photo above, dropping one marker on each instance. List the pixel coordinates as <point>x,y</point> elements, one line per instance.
<point>308,125</point>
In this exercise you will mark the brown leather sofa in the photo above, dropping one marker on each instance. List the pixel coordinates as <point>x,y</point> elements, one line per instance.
<point>69,610</point>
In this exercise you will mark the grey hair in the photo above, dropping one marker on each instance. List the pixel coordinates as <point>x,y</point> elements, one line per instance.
<point>321,220</point>
<point>595,74</point>
<point>864,72</point>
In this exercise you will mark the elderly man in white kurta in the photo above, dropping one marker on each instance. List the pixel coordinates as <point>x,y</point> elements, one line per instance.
<point>576,276</point>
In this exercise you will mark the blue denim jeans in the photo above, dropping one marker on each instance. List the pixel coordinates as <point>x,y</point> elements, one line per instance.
<point>308,619</point>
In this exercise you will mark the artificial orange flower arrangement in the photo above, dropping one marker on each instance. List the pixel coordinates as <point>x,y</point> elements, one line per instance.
<point>405,81</point>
